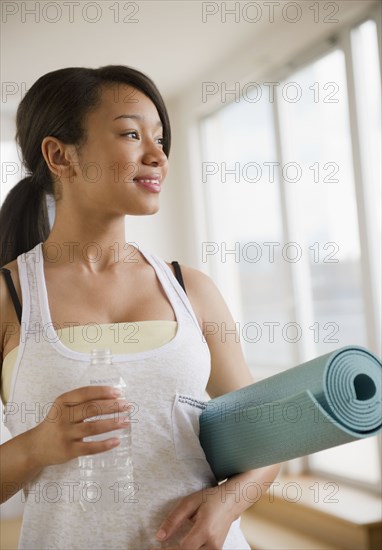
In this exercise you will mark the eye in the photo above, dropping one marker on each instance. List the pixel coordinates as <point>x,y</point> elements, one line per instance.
<point>134,132</point>
<point>130,132</point>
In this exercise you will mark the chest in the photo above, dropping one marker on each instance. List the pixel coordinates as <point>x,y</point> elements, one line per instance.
<point>116,300</point>
<point>78,299</point>
<point>126,292</point>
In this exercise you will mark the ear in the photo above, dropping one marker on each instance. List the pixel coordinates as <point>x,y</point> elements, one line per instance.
<point>61,158</point>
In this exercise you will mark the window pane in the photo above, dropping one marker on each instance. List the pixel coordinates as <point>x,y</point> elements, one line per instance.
<point>367,74</point>
<point>321,203</point>
<point>244,214</point>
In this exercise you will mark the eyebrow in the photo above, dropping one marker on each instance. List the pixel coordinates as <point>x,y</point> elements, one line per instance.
<point>137,117</point>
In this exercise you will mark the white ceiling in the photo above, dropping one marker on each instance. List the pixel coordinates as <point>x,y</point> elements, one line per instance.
<point>170,42</point>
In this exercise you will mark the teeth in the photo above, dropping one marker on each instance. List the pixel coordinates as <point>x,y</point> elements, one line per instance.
<point>149,181</point>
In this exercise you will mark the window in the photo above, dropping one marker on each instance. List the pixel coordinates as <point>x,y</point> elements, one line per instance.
<point>321,204</point>
<point>245,213</point>
<point>364,464</point>
<point>291,178</point>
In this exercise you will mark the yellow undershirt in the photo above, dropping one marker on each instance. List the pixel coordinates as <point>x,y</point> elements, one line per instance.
<point>120,338</point>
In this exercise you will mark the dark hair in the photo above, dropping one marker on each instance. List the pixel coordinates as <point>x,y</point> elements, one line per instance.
<point>56,105</point>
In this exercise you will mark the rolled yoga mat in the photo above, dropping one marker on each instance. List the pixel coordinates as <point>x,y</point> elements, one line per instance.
<point>328,401</point>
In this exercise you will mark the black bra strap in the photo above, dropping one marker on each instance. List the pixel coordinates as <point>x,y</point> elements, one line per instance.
<point>178,274</point>
<point>12,292</point>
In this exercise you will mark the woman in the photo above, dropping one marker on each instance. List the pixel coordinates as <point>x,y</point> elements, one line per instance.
<point>98,141</point>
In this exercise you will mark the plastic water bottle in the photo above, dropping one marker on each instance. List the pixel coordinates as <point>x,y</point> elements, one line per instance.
<point>106,478</point>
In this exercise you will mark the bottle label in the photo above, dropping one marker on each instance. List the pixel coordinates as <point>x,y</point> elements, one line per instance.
<point>105,381</point>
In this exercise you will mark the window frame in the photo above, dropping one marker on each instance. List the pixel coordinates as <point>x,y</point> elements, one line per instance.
<point>340,40</point>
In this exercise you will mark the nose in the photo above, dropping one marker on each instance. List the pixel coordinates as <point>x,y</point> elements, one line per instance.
<point>154,154</point>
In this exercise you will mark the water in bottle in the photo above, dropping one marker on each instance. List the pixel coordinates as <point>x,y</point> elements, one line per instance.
<point>106,479</point>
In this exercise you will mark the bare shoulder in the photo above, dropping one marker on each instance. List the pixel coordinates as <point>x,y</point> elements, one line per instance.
<point>195,277</point>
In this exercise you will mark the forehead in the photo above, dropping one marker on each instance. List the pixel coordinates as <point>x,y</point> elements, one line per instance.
<point>121,99</point>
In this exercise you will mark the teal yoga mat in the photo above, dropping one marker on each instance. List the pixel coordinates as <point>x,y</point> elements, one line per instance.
<point>328,401</point>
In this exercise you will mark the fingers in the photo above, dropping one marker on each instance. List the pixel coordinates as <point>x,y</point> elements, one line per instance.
<point>82,448</point>
<point>87,429</point>
<point>59,437</point>
<point>88,402</point>
<point>184,510</point>
<point>96,408</point>
<point>88,393</point>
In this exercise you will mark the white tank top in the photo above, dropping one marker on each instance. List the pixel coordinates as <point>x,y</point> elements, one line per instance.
<point>167,386</point>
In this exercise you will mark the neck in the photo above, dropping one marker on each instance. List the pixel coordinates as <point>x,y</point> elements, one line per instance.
<point>92,245</point>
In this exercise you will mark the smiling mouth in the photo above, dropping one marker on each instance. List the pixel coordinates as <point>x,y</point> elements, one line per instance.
<point>147,180</point>
<point>150,184</point>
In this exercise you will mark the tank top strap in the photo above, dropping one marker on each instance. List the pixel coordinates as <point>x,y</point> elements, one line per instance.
<point>171,285</point>
<point>31,319</point>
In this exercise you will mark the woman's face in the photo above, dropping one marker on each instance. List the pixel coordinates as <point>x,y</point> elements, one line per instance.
<point>122,165</point>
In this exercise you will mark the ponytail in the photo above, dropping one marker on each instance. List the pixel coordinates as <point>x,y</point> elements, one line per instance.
<point>24,220</point>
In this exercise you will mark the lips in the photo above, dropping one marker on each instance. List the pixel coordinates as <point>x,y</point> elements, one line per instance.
<point>152,182</point>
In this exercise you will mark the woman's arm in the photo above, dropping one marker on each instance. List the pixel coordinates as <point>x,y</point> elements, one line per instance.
<point>17,464</point>
<point>229,370</point>
<point>213,510</point>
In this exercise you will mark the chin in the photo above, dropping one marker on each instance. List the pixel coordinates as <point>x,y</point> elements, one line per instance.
<point>145,211</point>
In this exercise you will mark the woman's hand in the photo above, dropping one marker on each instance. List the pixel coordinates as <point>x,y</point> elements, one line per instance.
<point>211,510</point>
<point>58,438</point>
